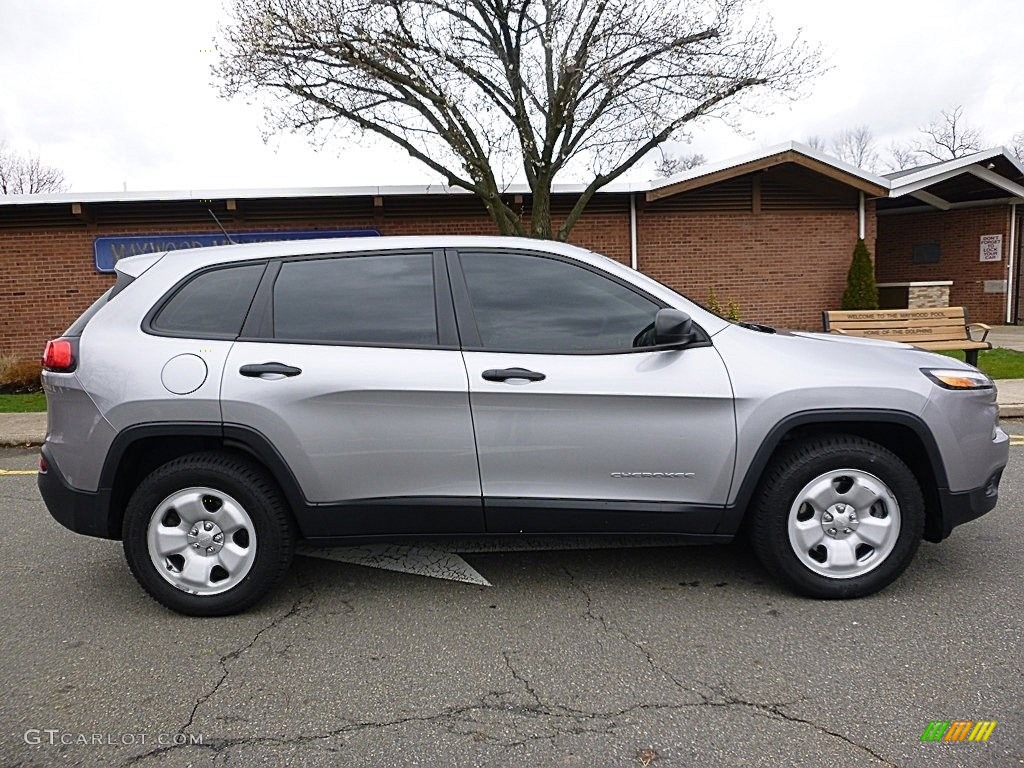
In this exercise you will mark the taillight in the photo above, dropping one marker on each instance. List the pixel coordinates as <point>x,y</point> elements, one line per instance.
<point>43,466</point>
<point>59,355</point>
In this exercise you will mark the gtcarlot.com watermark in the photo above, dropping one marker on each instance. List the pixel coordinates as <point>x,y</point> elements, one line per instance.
<point>56,737</point>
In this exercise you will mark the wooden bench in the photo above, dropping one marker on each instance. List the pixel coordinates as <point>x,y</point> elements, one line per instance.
<point>941,328</point>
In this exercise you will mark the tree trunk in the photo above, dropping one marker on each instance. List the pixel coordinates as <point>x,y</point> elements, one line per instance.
<point>540,215</point>
<point>504,218</point>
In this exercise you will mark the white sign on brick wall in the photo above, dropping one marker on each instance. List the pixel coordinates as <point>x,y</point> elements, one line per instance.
<point>991,248</point>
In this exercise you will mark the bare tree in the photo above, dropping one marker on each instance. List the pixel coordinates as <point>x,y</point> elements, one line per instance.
<point>948,136</point>
<point>816,142</point>
<point>1017,147</point>
<point>27,174</point>
<point>901,156</point>
<point>856,146</point>
<point>481,91</point>
<point>669,164</point>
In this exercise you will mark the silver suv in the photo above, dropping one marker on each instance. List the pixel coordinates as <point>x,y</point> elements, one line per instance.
<point>218,405</point>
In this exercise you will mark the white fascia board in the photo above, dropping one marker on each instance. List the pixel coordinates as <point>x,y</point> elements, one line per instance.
<point>1008,154</point>
<point>835,162</point>
<point>958,169</point>
<point>761,154</point>
<point>294,192</point>
<point>996,180</point>
<point>914,181</point>
<point>906,188</point>
<point>93,197</point>
<point>721,165</point>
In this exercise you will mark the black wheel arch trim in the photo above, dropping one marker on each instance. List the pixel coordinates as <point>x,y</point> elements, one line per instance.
<point>735,511</point>
<point>236,436</point>
<point>123,441</point>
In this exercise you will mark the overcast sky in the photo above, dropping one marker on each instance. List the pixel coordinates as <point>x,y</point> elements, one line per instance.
<point>119,92</point>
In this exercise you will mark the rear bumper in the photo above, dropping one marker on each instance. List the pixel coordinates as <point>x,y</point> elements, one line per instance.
<point>85,512</point>
<point>959,508</point>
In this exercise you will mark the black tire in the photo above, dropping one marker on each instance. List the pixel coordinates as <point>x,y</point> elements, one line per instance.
<point>796,466</point>
<point>254,489</point>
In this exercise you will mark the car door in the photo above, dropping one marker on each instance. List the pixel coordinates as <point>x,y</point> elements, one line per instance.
<point>351,370</point>
<point>577,429</point>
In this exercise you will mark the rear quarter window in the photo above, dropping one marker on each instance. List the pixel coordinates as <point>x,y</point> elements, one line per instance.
<point>212,304</point>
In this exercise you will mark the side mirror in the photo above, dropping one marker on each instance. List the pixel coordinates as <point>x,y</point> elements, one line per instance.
<point>672,327</point>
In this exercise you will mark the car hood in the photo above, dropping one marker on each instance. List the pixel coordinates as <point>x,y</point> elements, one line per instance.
<point>838,338</point>
<point>843,350</point>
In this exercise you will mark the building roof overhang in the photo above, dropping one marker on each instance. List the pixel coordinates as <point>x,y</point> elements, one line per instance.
<point>992,175</point>
<point>790,152</point>
<point>997,168</point>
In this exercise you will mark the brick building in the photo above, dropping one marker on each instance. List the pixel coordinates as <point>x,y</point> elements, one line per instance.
<point>773,231</point>
<point>953,227</point>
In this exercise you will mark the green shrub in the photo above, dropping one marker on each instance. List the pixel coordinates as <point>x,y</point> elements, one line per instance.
<point>731,311</point>
<point>713,304</point>
<point>861,290</point>
<point>734,311</point>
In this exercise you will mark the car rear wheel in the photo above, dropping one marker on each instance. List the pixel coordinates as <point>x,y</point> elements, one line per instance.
<point>837,517</point>
<point>208,534</point>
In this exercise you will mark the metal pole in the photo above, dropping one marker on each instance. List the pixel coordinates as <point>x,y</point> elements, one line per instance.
<point>1009,264</point>
<point>632,231</point>
<point>860,213</point>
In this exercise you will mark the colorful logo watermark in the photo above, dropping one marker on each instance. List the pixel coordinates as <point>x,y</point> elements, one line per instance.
<point>958,730</point>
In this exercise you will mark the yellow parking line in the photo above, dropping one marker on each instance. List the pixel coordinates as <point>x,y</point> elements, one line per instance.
<point>18,471</point>
<point>1017,440</point>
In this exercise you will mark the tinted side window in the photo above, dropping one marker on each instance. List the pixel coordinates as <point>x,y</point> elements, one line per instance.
<point>533,304</point>
<point>380,299</point>
<point>213,303</point>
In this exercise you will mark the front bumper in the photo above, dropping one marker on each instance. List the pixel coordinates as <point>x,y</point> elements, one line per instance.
<point>959,508</point>
<point>83,512</point>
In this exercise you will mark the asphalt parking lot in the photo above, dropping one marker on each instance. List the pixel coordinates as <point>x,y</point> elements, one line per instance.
<point>667,657</point>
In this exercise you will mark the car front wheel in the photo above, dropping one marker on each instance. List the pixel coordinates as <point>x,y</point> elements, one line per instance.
<point>837,517</point>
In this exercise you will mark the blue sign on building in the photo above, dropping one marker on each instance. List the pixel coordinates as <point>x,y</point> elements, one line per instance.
<point>108,250</point>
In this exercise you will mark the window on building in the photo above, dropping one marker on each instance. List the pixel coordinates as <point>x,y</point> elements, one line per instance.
<point>929,253</point>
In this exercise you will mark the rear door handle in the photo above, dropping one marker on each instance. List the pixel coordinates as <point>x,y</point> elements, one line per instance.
<point>258,369</point>
<point>504,374</point>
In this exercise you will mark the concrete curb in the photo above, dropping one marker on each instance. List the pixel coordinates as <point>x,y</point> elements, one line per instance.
<point>22,429</point>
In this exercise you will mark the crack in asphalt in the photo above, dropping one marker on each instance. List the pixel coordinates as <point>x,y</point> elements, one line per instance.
<point>223,661</point>
<point>770,709</point>
<point>564,721</point>
<point>521,679</point>
<point>225,673</point>
<point>465,712</point>
<point>546,721</point>
<point>609,627</point>
<point>775,711</point>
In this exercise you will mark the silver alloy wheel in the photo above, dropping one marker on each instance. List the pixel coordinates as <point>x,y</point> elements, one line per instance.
<point>201,541</point>
<point>844,523</point>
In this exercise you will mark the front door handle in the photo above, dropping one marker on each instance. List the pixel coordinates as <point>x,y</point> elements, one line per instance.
<point>258,369</point>
<point>504,374</point>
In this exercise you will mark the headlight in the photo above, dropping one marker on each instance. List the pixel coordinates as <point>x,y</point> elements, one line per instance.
<point>954,378</point>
